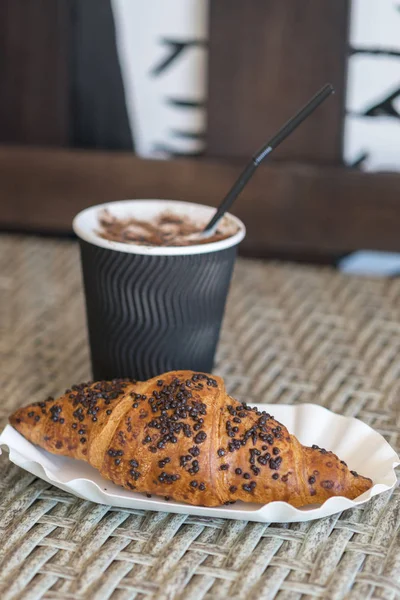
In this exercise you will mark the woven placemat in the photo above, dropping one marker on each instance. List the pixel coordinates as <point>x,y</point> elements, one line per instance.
<point>291,334</point>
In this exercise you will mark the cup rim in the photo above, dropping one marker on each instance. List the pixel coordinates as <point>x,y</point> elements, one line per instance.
<point>90,236</point>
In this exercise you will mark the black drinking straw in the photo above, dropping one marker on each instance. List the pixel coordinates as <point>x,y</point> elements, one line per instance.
<point>259,156</point>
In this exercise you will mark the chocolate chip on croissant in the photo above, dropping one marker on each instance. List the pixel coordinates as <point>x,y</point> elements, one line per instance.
<point>181,435</point>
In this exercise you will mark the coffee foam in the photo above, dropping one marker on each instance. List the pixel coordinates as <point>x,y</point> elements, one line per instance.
<point>166,229</point>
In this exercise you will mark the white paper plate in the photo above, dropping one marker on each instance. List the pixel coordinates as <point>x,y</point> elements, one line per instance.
<point>353,441</point>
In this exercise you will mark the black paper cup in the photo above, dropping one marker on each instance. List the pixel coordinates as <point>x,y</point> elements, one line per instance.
<point>154,309</point>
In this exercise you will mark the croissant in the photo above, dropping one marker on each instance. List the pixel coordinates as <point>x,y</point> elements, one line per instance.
<point>182,436</point>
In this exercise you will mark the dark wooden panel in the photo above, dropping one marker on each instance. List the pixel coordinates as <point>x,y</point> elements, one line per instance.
<point>303,209</point>
<point>99,117</point>
<point>267,57</point>
<point>34,71</point>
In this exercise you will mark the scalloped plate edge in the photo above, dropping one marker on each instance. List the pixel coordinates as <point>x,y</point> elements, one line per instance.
<point>97,491</point>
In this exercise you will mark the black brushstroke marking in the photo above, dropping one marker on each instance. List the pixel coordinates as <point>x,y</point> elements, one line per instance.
<point>188,135</point>
<point>374,51</point>
<point>174,49</point>
<point>183,103</point>
<point>165,149</point>
<point>385,108</point>
<point>358,163</point>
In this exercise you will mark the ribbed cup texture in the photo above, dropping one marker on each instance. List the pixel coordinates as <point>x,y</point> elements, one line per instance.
<point>151,314</point>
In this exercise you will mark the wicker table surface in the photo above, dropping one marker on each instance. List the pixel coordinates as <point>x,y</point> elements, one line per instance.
<point>291,334</point>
